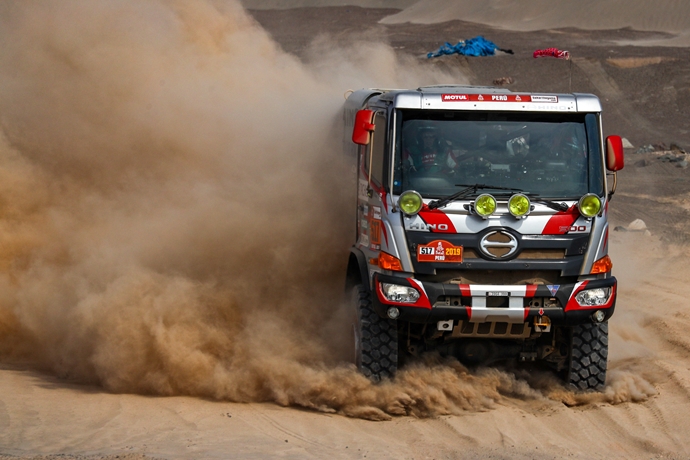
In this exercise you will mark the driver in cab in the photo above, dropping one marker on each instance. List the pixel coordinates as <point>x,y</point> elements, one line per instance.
<point>426,153</point>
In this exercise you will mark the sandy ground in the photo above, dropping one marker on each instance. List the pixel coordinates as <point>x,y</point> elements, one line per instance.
<point>42,415</point>
<point>74,381</point>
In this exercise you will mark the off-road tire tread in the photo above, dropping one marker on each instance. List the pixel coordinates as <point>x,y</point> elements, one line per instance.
<point>588,355</point>
<point>379,340</point>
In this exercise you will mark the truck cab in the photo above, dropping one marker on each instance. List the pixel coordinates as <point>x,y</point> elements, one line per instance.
<point>481,228</point>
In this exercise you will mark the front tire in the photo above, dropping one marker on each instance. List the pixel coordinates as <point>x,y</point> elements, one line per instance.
<point>589,349</point>
<point>375,338</point>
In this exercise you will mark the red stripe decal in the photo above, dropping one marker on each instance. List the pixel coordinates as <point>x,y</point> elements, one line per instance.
<point>437,220</point>
<point>530,290</point>
<point>465,290</point>
<point>526,313</point>
<point>560,223</point>
<point>469,313</point>
<point>423,299</point>
<point>381,192</point>
<point>572,303</point>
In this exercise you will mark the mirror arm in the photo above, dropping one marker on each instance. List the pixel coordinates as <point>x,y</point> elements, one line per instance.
<point>370,192</point>
<point>613,189</point>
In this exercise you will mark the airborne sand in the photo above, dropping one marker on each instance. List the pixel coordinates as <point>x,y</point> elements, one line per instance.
<point>164,165</point>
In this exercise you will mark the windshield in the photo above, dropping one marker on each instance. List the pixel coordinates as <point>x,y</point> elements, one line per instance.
<point>547,154</point>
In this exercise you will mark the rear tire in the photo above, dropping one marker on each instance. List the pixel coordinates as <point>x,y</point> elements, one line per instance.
<point>375,338</point>
<point>589,349</point>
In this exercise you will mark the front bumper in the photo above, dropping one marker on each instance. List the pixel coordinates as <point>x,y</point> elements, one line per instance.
<point>476,303</point>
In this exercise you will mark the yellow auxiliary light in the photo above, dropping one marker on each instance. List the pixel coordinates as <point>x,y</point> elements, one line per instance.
<point>589,205</point>
<point>519,205</point>
<point>485,205</point>
<point>410,202</point>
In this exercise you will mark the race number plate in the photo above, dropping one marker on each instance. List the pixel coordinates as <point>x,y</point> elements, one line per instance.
<point>439,251</point>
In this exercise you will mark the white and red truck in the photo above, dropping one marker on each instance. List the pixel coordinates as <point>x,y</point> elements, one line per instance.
<point>481,228</point>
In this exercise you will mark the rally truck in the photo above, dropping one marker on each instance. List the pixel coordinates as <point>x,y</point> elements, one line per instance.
<point>481,229</point>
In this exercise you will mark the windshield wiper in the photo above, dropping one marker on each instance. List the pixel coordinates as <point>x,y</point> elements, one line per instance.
<point>468,190</point>
<point>471,189</point>
<point>548,203</point>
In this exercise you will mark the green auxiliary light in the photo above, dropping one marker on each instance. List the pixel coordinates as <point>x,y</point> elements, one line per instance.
<point>485,205</point>
<point>589,205</point>
<point>519,205</point>
<point>410,202</point>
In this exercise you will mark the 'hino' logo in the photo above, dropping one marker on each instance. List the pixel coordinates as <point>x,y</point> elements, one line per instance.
<point>498,244</point>
<point>428,227</point>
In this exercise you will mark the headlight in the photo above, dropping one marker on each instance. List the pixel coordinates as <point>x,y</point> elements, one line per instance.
<point>410,202</point>
<point>519,205</point>
<point>593,297</point>
<point>397,293</point>
<point>589,205</point>
<point>485,205</point>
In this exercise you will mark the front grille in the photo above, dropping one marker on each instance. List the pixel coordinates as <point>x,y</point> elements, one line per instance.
<point>562,254</point>
<point>527,254</point>
<point>542,254</point>
<point>469,253</point>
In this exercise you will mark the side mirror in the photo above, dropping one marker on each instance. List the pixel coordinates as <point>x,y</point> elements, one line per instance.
<point>614,153</point>
<point>361,134</point>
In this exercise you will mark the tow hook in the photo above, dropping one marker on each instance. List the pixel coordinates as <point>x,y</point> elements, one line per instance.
<point>542,324</point>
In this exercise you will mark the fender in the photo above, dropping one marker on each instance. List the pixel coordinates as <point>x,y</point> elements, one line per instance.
<point>357,271</point>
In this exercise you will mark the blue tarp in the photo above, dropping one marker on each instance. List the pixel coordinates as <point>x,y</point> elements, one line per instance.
<point>477,46</point>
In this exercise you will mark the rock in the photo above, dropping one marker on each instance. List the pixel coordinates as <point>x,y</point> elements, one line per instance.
<point>503,81</point>
<point>682,164</point>
<point>676,148</point>
<point>672,158</point>
<point>637,225</point>
<point>627,144</point>
<point>645,149</point>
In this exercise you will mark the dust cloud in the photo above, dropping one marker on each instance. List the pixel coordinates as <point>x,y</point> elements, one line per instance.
<point>174,214</point>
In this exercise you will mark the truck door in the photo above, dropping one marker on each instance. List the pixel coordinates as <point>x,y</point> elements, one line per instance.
<point>371,188</point>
